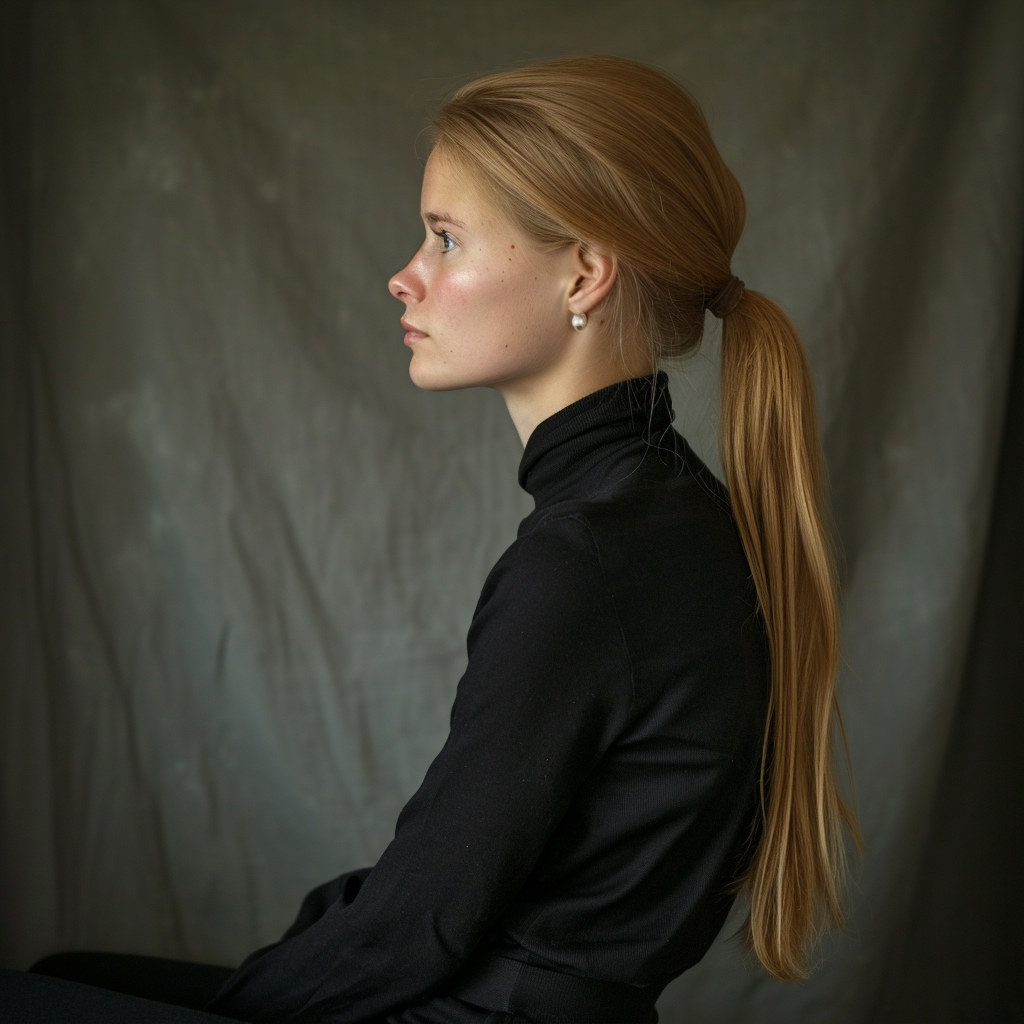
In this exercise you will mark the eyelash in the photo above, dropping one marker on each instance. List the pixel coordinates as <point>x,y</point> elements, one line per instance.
<point>445,238</point>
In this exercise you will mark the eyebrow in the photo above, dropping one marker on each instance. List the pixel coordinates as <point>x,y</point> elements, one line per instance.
<point>442,218</point>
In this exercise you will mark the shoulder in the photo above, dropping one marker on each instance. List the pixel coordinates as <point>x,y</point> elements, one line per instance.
<point>546,628</point>
<point>558,549</point>
<point>553,569</point>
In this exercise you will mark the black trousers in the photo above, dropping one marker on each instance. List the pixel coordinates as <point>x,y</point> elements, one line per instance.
<point>110,987</point>
<point>118,988</point>
<point>177,982</point>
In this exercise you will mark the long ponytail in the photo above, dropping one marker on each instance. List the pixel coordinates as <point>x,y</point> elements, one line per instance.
<point>604,150</point>
<point>773,466</point>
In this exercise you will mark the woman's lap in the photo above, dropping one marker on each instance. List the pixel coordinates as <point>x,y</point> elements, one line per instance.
<point>27,998</point>
<point>119,988</point>
<point>178,982</point>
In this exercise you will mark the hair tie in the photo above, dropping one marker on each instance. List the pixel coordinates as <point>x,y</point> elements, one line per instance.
<point>727,298</point>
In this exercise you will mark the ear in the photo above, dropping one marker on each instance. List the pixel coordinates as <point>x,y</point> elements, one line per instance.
<point>594,272</point>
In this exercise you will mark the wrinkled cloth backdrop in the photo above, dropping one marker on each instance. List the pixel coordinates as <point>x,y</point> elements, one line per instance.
<point>241,550</point>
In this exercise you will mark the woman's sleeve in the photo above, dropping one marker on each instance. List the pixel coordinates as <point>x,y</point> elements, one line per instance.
<point>547,688</point>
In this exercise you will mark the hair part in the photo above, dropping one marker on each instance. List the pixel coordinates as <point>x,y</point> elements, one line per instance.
<point>599,150</point>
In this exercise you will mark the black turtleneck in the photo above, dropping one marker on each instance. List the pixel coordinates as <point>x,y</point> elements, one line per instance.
<point>595,797</point>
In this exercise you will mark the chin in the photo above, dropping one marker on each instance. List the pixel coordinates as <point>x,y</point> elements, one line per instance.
<point>426,378</point>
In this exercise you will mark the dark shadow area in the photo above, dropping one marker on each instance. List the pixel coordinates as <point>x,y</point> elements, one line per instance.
<point>176,982</point>
<point>30,998</point>
<point>963,960</point>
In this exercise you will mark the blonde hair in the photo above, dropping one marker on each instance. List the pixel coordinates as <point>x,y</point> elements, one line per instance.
<point>603,150</point>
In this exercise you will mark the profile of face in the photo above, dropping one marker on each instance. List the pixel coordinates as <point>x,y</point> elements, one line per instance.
<point>484,307</point>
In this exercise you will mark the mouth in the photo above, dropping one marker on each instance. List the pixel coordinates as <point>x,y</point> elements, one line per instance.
<point>412,333</point>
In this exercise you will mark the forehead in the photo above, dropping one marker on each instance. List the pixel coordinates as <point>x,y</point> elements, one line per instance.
<point>450,191</point>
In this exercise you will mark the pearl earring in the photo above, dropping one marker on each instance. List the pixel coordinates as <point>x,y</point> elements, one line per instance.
<point>579,321</point>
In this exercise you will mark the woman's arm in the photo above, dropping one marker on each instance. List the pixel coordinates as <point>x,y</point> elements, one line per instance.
<point>546,690</point>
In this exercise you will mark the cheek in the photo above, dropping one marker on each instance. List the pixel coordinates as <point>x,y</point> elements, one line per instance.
<point>452,296</point>
<point>488,303</point>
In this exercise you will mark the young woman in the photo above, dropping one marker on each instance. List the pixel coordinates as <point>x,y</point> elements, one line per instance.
<point>644,726</point>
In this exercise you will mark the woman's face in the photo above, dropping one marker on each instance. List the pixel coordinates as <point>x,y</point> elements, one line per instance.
<point>482,306</point>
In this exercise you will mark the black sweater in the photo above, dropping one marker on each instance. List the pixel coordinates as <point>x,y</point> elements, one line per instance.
<point>596,794</point>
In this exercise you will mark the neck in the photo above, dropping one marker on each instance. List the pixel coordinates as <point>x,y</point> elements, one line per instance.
<point>599,439</point>
<point>532,400</point>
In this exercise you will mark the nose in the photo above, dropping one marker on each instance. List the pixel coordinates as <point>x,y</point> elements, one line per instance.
<point>406,285</point>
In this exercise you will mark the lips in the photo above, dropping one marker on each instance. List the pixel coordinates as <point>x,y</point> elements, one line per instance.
<point>412,333</point>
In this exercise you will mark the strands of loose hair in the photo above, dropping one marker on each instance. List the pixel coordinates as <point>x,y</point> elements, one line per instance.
<point>599,150</point>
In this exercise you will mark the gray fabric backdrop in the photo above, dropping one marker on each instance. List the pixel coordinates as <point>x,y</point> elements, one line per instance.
<point>241,550</point>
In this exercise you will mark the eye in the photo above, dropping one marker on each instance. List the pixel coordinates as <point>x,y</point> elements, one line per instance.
<point>447,242</point>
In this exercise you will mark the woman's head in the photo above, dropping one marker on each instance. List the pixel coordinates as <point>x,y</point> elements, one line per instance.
<point>589,184</point>
<point>606,154</point>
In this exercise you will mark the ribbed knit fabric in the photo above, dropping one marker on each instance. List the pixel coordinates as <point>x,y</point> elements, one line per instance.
<point>596,794</point>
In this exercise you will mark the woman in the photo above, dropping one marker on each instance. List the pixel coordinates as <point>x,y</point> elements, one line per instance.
<point>643,728</point>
